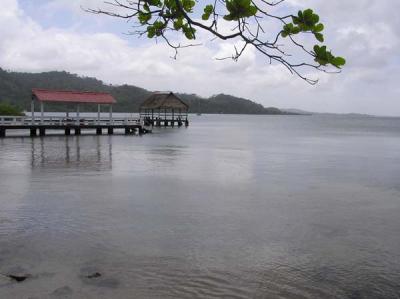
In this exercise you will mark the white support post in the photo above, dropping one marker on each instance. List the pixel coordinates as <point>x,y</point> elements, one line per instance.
<point>111,114</point>
<point>77,114</point>
<point>98,113</point>
<point>32,111</point>
<point>41,112</point>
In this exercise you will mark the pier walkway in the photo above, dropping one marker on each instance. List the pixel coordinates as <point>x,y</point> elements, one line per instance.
<point>40,125</point>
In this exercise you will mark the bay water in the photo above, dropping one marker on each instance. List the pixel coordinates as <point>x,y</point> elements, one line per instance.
<point>233,206</point>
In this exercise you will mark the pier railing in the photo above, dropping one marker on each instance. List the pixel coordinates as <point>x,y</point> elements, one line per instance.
<point>64,121</point>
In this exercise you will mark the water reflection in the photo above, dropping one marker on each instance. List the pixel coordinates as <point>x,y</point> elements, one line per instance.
<point>79,153</point>
<point>166,156</point>
<point>150,159</point>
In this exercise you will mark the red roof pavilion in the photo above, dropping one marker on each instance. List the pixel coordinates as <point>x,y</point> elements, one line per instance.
<point>72,97</point>
<point>63,96</point>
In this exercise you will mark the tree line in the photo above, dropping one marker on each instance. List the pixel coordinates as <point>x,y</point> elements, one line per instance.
<point>15,90</point>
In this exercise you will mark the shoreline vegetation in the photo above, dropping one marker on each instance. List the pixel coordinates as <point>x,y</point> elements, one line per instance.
<point>15,89</point>
<point>10,110</point>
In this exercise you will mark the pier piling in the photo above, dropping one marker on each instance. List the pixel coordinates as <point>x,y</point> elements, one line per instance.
<point>33,132</point>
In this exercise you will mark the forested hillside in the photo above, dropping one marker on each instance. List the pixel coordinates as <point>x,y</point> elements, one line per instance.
<point>15,89</point>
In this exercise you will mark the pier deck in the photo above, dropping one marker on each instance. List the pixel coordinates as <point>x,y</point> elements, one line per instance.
<point>39,126</point>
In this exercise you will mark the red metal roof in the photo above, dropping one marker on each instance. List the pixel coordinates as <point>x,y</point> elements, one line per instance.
<point>64,96</point>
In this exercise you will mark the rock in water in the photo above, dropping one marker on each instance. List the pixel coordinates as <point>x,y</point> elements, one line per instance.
<point>18,278</point>
<point>94,275</point>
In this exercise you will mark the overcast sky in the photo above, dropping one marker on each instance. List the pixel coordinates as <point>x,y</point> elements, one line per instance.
<point>44,35</point>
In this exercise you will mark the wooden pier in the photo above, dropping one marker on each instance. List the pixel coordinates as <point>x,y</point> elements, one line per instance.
<point>161,109</point>
<point>41,125</point>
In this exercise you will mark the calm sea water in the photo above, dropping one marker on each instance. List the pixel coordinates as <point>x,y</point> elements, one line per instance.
<point>231,207</point>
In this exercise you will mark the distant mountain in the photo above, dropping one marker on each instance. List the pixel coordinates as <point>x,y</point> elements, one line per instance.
<point>303,112</point>
<point>226,104</point>
<point>298,111</point>
<point>15,89</point>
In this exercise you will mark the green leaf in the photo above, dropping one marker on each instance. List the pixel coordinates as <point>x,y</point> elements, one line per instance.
<point>151,32</point>
<point>289,29</point>
<point>308,15</point>
<point>314,19</point>
<point>338,61</point>
<point>300,14</point>
<point>188,5</point>
<point>296,30</point>
<point>228,18</point>
<point>252,11</point>
<point>208,10</point>
<point>319,37</point>
<point>154,3</point>
<point>307,21</point>
<point>318,28</point>
<point>239,9</point>
<point>189,31</point>
<point>178,24</point>
<point>324,57</point>
<point>144,17</point>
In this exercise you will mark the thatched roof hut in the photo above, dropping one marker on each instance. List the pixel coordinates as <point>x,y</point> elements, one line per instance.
<point>165,107</point>
<point>164,100</point>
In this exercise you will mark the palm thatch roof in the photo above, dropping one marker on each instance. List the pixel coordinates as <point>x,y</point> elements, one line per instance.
<point>164,100</point>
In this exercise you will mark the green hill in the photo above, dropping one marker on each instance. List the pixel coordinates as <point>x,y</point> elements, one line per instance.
<point>15,89</point>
